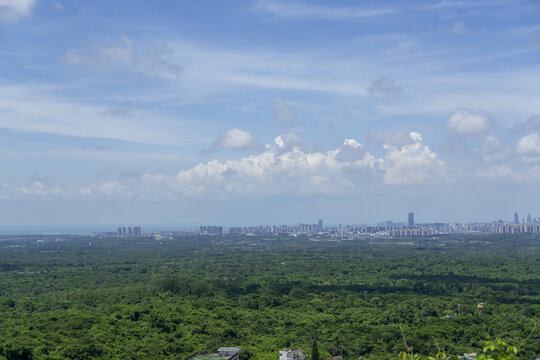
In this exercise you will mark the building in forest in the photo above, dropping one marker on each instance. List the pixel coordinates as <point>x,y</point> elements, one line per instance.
<point>291,354</point>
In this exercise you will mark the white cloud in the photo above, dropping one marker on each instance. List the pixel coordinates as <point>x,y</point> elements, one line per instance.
<point>492,150</point>
<point>36,189</point>
<point>109,188</point>
<point>307,11</point>
<point>287,142</point>
<point>283,115</point>
<point>385,87</point>
<point>529,145</point>
<point>413,163</point>
<point>467,122</point>
<point>236,139</point>
<point>284,168</point>
<point>14,10</point>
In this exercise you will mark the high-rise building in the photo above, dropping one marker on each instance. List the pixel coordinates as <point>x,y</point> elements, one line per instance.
<point>320,225</point>
<point>130,231</point>
<point>411,219</point>
<point>529,219</point>
<point>123,231</point>
<point>119,231</point>
<point>516,218</point>
<point>137,231</point>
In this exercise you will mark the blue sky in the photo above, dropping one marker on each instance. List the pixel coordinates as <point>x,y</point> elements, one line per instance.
<point>242,112</point>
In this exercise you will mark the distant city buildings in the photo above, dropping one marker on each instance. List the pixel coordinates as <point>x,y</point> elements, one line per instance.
<point>384,229</point>
<point>129,231</point>
<point>411,219</point>
<point>211,230</point>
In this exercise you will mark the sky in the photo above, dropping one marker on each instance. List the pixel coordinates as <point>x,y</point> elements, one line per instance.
<point>268,111</point>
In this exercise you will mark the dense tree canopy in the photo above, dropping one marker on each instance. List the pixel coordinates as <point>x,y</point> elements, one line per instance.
<point>89,298</point>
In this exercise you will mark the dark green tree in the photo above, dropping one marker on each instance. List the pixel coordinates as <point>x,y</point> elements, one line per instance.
<point>315,351</point>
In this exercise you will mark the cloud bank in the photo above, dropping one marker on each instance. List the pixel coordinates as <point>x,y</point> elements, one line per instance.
<point>287,168</point>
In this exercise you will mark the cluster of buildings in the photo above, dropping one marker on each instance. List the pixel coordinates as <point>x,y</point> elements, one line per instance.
<point>233,353</point>
<point>309,229</point>
<point>211,230</point>
<point>129,231</point>
<point>383,229</point>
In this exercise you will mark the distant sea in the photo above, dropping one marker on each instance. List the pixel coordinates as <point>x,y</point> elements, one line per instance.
<point>86,229</point>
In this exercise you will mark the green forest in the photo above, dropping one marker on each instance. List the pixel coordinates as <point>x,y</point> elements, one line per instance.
<point>79,297</point>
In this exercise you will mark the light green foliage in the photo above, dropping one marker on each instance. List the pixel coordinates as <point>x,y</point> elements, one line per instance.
<point>498,350</point>
<point>493,350</point>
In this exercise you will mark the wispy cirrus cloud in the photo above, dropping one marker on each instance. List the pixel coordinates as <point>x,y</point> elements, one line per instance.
<point>299,10</point>
<point>124,53</point>
<point>34,108</point>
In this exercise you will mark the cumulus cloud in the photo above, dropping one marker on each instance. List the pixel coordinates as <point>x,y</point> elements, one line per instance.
<point>467,122</point>
<point>529,145</point>
<point>287,142</point>
<point>281,168</point>
<point>492,150</point>
<point>285,168</point>
<point>236,139</point>
<point>14,10</point>
<point>283,115</point>
<point>155,60</point>
<point>385,87</point>
<point>413,163</point>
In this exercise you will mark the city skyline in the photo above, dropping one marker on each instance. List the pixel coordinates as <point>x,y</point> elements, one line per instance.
<point>267,110</point>
<point>493,225</point>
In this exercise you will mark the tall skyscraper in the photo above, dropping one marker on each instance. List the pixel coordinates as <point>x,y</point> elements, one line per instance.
<point>320,225</point>
<point>411,219</point>
<point>516,218</point>
<point>529,219</point>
